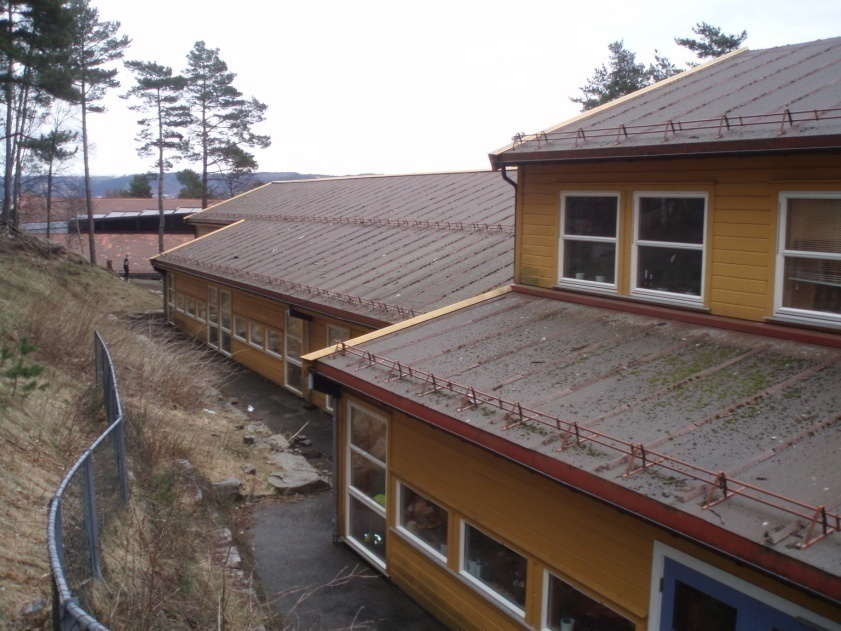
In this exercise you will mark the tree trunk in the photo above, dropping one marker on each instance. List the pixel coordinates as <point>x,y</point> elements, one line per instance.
<point>162,219</point>
<point>88,201</point>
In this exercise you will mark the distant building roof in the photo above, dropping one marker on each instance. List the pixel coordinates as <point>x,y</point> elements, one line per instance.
<point>34,208</point>
<point>783,98</point>
<point>383,248</point>
<point>114,247</point>
<point>730,438</point>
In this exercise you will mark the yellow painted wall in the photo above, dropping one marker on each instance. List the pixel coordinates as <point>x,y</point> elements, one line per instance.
<point>602,552</point>
<point>742,217</point>
<point>265,311</point>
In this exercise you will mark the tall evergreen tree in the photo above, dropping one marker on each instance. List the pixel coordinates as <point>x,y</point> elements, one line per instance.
<point>159,93</point>
<point>34,38</point>
<point>50,150</point>
<point>221,117</point>
<point>711,41</point>
<point>96,46</point>
<point>190,182</point>
<point>622,76</point>
<point>139,187</point>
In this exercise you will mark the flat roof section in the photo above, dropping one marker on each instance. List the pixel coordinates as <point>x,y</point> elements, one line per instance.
<point>740,431</point>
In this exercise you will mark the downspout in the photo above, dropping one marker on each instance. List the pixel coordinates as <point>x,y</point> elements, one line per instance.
<point>508,179</point>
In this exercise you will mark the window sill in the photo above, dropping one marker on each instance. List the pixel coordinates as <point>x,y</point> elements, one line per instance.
<point>421,546</point>
<point>805,321</point>
<point>590,286</point>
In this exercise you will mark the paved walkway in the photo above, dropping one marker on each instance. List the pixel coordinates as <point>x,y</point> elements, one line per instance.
<point>315,584</point>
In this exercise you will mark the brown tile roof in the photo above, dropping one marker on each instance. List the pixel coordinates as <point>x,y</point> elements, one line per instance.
<point>382,247</point>
<point>114,247</point>
<point>788,97</point>
<point>582,392</point>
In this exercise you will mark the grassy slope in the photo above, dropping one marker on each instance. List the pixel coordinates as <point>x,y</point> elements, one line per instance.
<point>167,385</point>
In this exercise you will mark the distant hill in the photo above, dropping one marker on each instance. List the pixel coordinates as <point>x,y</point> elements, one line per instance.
<point>110,186</point>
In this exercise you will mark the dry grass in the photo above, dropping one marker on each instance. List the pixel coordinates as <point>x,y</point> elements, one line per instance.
<point>159,562</point>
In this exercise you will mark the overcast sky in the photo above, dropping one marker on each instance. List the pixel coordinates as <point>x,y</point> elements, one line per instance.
<point>399,87</point>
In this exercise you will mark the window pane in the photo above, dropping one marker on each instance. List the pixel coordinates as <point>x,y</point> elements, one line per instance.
<point>671,219</point>
<point>191,306</point>
<point>213,336</point>
<point>180,301</point>
<point>670,269</point>
<point>226,342</point>
<point>240,327</point>
<point>368,432</point>
<point>294,376</point>
<point>590,216</point>
<point>201,310</point>
<point>812,284</point>
<point>336,334</point>
<point>496,565</point>
<point>225,311</point>
<point>697,611</point>
<point>367,527</point>
<point>274,342</point>
<point>424,519</point>
<point>814,225</point>
<point>256,334</point>
<point>368,477</point>
<point>567,604</point>
<point>586,260</point>
<point>293,348</point>
<point>295,326</point>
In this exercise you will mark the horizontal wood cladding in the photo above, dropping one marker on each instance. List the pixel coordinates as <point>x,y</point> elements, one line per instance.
<point>592,545</point>
<point>743,202</point>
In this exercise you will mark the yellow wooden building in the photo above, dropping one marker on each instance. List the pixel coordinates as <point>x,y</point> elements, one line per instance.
<point>642,432</point>
<point>297,265</point>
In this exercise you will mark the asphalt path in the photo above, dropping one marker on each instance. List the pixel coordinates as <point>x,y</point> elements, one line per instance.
<point>314,583</point>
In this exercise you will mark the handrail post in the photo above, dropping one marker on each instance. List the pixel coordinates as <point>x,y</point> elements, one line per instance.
<point>91,523</point>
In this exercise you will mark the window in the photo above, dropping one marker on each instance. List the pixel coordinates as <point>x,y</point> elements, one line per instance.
<point>240,328</point>
<point>335,334</point>
<point>294,350</point>
<point>225,322</point>
<point>256,334</point>
<point>170,297</point>
<point>191,306</point>
<point>201,311</point>
<point>589,227</point>
<point>669,236</point>
<point>696,596</point>
<point>499,570</point>
<point>274,342</point>
<point>366,482</point>
<point>180,301</point>
<point>423,521</point>
<point>809,258</point>
<point>567,608</point>
<point>213,317</point>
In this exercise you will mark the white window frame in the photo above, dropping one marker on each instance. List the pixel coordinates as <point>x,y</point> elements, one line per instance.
<point>582,283</point>
<point>416,541</point>
<point>213,317</point>
<point>230,315</point>
<point>544,607</point>
<point>485,589</point>
<point>667,297</point>
<point>800,316</point>
<point>170,297</point>
<point>288,335</point>
<point>330,401</point>
<point>655,605</point>
<point>352,493</point>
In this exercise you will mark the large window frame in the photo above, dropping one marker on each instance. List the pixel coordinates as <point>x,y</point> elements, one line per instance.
<point>563,610</point>
<point>757,609</point>
<point>807,271</point>
<point>366,472</point>
<point>577,238</point>
<point>170,297</point>
<point>423,522</point>
<point>295,333</point>
<point>487,580</point>
<point>651,283</point>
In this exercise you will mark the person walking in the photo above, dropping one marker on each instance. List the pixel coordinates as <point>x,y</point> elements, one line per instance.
<point>125,268</point>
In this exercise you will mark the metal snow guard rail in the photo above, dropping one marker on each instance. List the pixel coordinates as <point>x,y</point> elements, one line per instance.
<point>74,521</point>
<point>821,521</point>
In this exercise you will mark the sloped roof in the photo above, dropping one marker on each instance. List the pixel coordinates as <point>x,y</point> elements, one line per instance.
<point>782,98</point>
<point>138,246</point>
<point>378,249</point>
<point>640,411</point>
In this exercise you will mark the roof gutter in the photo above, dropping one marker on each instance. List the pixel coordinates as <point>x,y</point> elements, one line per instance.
<point>508,179</point>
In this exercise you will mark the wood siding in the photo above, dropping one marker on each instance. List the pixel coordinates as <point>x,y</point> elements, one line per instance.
<point>599,550</point>
<point>265,311</point>
<point>742,217</point>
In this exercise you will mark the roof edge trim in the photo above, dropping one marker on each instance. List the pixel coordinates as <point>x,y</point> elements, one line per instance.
<point>204,236</point>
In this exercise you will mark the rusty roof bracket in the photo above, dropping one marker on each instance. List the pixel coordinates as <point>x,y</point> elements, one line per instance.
<point>579,135</point>
<point>621,131</point>
<point>469,401</point>
<point>826,525</point>
<point>367,359</point>
<point>519,411</point>
<point>787,118</point>
<point>670,127</point>
<point>400,375</point>
<point>721,482</point>
<point>723,122</point>
<point>430,378</point>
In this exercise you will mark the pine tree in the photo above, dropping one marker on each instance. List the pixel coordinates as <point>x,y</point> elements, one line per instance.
<point>160,95</point>
<point>623,76</point>
<point>96,46</point>
<point>712,42</point>
<point>139,187</point>
<point>190,181</point>
<point>221,117</point>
